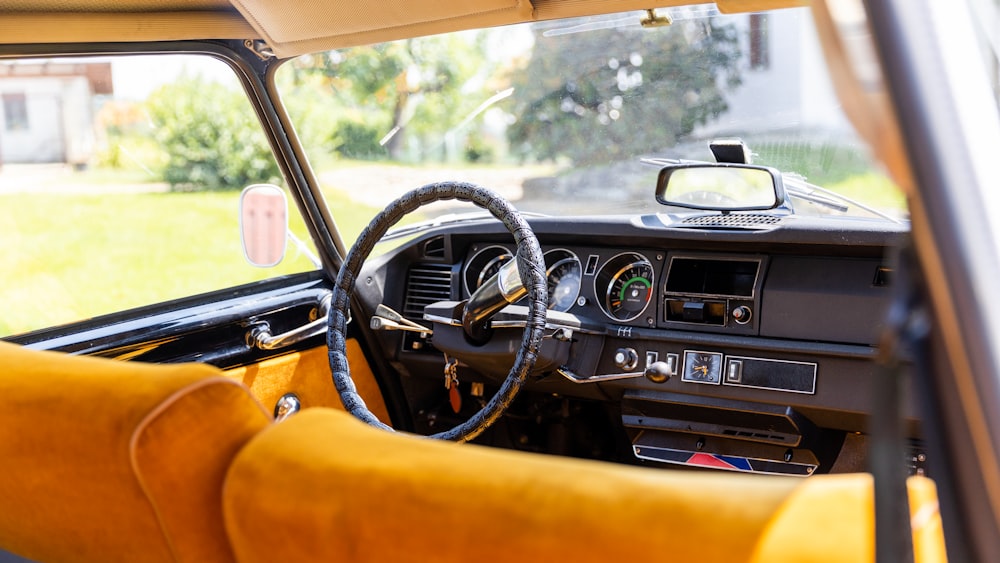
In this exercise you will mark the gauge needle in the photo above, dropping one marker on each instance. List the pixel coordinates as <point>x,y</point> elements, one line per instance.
<point>703,370</point>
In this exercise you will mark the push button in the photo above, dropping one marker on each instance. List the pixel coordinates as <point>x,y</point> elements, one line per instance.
<point>734,371</point>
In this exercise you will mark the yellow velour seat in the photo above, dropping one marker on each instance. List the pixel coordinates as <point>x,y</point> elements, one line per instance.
<point>116,461</point>
<point>322,486</point>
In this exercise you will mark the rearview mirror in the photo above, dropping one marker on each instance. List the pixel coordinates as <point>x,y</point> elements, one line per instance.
<point>263,224</point>
<point>720,187</point>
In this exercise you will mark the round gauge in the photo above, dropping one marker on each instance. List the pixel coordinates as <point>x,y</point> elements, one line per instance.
<point>626,281</point>
<point>483,265</point>
<point>564,274</point>
<point>702,367</point>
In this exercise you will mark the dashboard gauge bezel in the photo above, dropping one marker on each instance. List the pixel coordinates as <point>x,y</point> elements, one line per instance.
<point>480,269</point>
<point>569,256</point>
<point>603,293</point>
<point>687,372</point>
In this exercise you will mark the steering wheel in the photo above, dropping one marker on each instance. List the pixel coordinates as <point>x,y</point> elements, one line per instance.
<point>531,270</point>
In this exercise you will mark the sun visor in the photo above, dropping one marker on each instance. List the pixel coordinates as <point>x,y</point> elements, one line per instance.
<point>295,27</point>
<point>84,27</point>
<point>746,6</point>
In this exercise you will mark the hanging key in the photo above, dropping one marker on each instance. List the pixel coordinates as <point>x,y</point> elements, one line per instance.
<point>451,383</point>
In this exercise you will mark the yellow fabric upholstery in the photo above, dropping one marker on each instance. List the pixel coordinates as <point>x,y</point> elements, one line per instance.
<point>324,487</point>
<point>925,521</point>
<point>307,374</point>
<point>115,461</point>
<point>835,521</point>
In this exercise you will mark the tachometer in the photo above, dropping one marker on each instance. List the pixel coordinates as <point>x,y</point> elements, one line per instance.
<point>626,281</point>
<point>564,275</point>
<point>483,265</point>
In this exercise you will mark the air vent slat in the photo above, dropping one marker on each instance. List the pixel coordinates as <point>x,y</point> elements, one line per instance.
<point>434,248</point>
<point>426,284</point>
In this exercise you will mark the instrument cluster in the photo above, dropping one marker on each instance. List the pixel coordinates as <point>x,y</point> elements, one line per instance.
<point>620,284</point>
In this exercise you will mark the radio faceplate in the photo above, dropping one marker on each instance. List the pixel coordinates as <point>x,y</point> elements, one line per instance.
<point>713,292</point>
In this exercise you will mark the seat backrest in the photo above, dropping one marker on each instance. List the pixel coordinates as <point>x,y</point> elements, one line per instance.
<point>322,486</point>
<point>116,461</point>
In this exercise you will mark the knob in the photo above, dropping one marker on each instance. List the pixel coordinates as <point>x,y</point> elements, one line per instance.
<point>626,359</point>
<point>658,372</point>
<point>742,314</point>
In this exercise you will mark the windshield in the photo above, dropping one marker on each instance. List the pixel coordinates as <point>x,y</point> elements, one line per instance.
<point>558,116</point>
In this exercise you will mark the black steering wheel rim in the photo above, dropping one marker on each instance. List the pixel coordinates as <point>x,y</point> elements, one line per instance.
<point>531,269</point>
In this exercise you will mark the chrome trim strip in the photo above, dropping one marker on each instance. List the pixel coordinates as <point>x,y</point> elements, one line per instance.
<point>568,374</point>
<point>443,320</point>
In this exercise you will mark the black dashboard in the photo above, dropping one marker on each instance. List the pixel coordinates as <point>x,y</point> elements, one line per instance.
<point>746,345</point>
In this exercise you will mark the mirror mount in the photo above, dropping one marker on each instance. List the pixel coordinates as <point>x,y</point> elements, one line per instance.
<point>733,151</point>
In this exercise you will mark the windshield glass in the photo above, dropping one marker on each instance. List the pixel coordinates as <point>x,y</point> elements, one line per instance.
<point>559,116</point>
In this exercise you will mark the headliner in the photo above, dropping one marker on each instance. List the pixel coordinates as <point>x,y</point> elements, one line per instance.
<point>292,27</point>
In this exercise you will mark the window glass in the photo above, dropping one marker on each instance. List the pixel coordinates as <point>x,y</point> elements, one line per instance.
<point>119,185</point>
<point>569,117</point>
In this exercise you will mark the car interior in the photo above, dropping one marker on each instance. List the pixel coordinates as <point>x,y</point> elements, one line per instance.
<point>733,368</point>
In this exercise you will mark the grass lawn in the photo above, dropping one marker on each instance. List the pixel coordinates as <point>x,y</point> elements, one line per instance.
<point>68,257</point>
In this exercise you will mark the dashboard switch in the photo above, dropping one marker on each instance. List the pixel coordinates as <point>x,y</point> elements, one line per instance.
<point>626,359</point>
<point>734,371</point>
<point>742,314</point>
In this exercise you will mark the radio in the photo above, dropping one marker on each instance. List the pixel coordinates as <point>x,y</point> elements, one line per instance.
<point>713,293</point>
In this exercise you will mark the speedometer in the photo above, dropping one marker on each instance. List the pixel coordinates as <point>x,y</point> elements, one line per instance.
<point>564,275</point>
<point>626,281</point>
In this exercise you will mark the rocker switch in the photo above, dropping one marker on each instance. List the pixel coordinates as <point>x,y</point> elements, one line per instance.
<point>734,371</point>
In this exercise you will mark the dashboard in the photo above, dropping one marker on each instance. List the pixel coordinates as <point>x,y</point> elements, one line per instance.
<point>747,347</point>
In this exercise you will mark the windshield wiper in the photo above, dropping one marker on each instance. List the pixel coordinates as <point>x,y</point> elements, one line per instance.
<point>798,187</point>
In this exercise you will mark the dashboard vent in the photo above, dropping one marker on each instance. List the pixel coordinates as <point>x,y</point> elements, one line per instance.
<point>732,221</point>
<point>434,248</point>
<point>426,284</point>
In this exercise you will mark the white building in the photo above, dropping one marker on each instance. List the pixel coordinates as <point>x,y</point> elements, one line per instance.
<point>785,84</point>
<point>48,110</point>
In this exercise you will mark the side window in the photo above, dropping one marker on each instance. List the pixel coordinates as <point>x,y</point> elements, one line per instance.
<point>119,185</point>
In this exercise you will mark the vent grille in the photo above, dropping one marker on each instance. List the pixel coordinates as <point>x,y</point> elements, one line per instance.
<point>732,221</point>
<point>434,248</point>
<point>426,284</point>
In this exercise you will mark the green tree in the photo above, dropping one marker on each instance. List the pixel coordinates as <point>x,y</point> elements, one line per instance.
<point>410,89</point>
<point>212,138</point>
<point>645,89</point>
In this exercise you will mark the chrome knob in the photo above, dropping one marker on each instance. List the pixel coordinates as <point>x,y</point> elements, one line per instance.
<point>658,372</point>
<point>286,406</point>
<point>626,359</point>
<point>742,314</point>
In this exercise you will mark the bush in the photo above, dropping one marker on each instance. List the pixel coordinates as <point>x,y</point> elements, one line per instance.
<point>357,140</point>
<point>213,139</point>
